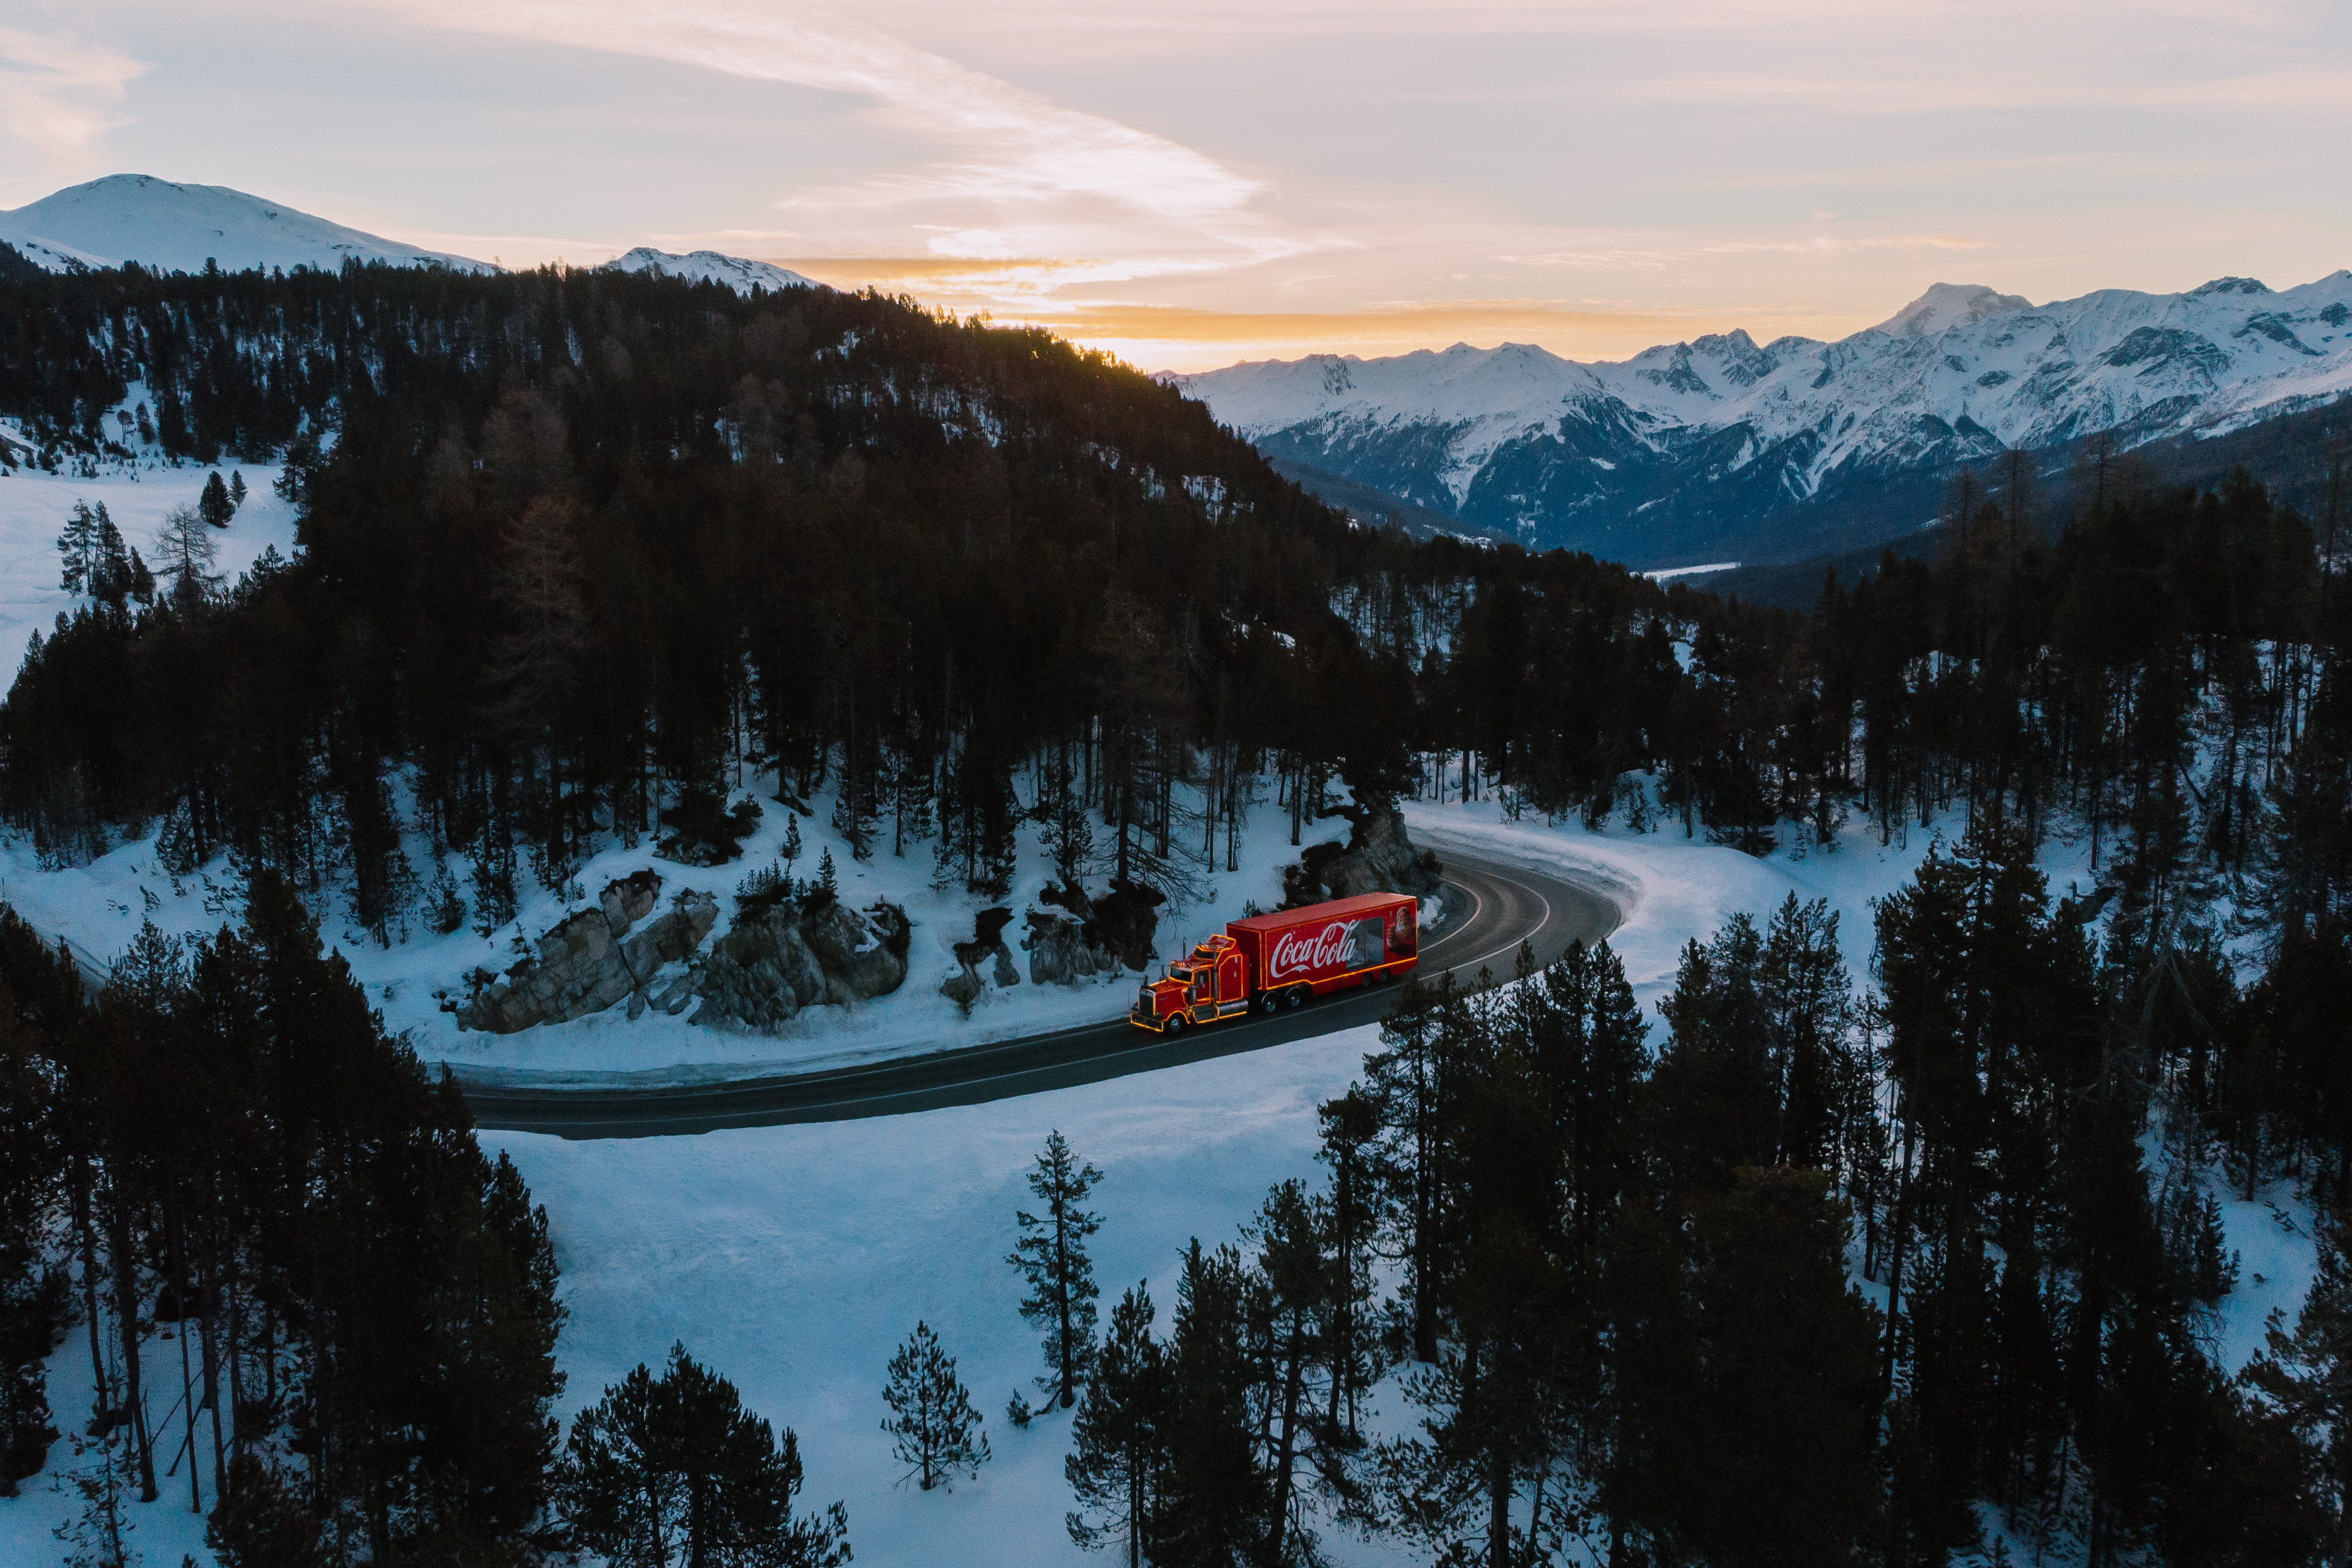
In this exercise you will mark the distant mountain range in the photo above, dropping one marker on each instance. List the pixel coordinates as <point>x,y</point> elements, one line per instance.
<point>179,229</point>
<point>1723,449</point>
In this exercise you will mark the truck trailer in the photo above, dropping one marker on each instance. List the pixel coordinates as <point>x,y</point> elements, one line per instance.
<point>1281,959</point>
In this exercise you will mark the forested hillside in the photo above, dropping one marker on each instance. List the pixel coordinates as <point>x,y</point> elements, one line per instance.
<point>586,556</point>
<point>222,1141</point>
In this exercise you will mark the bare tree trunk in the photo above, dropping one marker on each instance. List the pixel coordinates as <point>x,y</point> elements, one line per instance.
<point>126,1317</point>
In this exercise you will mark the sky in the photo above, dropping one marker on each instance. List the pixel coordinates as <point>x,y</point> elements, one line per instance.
<point>1188,185</point>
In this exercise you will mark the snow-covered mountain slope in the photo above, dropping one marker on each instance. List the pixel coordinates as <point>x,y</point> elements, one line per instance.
<point>1723,449</point>
<point>178,229</point>
<point>1947,305</point>
<point>708,266</point>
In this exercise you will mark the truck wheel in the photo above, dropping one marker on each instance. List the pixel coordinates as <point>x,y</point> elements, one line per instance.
<point>1176,1022</point>
<point>1294,996</point>
<point>1268,1001</point>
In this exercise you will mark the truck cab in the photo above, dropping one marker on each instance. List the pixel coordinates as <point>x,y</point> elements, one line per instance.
<point>1212,981</point>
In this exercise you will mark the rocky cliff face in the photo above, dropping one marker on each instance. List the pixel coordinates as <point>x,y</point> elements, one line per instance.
<point>1061,951</point>
<point>987,948</point>
<point>1378,858</point>
<point>597,958</point>
<point>776,961</point>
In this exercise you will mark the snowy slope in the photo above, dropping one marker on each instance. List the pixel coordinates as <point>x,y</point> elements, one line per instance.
<point>1720,434</point>
<point>708,266</point>
<point>1947,305</point>
<point>32,510</point>
<point>137,218</point>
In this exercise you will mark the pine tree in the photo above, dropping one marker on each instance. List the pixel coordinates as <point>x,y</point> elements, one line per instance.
<point>260,1522</point>
<point>78,549</point>
<point>446,907</point>
<point>236,491</point>
<point>1293,1284</point>
<point>791,850</point>
<point>1061,811</point>
<point>674,1470</point>
<point>539,586</point>
<point>188,548</point>
<point>1216,1502</point>
<point>932,1419</point>
<point>214,505</point>
<point>34,1305</point>
<point>1118,1458</point>
<point>825,891</point>
<point>1352,1216</point>
<point>1410,1083</point>
<point>907,784</point>
<point>110,572</point>
<point>1052,1256</point>
<point>1807,1003</point>
<point>494,868</point>
<point>2307,1377</point>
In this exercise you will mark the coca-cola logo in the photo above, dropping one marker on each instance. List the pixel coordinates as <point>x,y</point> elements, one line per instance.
<point>1300,951</point>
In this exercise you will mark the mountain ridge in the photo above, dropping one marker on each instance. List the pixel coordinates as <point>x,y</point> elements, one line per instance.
<point>1724,448</point>
<point>179,227</point>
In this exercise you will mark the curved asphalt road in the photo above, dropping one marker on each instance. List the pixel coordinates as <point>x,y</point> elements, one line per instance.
<point>1509,904</point>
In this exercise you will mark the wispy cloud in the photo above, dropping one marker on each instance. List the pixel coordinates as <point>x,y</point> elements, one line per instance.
<point>1619,259</point>
<point>998,143</point>
<point>57,93</point>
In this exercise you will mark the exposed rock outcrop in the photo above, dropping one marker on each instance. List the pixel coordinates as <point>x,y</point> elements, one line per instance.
<point>777,961</point>
<point>761,974</point>
<point>1378,858</point>
<point>1061,952</point>
<point>595,958</point>
<point>965,986</point>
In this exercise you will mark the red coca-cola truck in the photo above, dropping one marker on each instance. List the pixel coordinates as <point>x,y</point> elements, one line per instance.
<point>1281,959</point>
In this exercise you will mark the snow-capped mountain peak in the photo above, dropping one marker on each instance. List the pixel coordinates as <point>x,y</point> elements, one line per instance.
<point>178,229</point>
<point>1947,305</point>
<point>1685,450</point>
<point>737,272</point>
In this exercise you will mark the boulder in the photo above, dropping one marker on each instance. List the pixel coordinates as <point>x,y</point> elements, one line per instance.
<point>1378,858</point>
<point>1060,953</point>
<point>761,974</point>
<point>594,959</point>
<point>964,987</point>
<point>864,951</point>
<point>630,898</point>
<point>777,961</point>
<point>987,945</point>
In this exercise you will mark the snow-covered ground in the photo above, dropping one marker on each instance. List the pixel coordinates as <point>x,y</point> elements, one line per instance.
<point>33,507</point>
